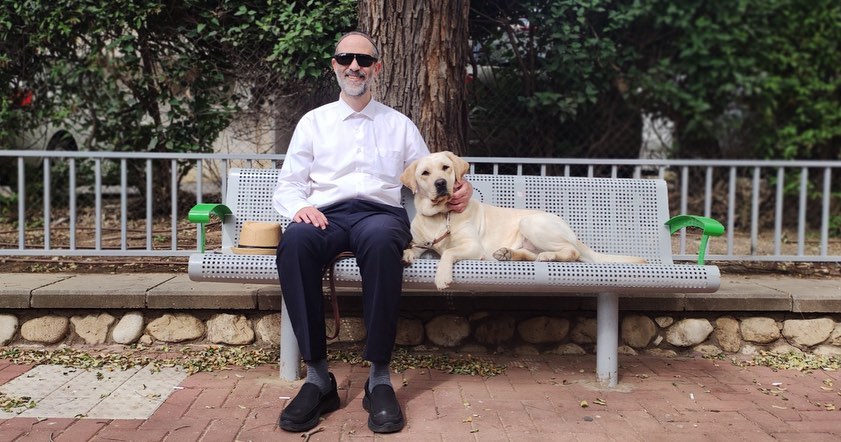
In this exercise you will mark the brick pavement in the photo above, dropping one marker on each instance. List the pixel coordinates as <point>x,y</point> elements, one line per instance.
<point>538,398</point>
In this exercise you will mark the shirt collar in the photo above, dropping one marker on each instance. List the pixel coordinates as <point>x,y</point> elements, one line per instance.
<point>368,112</point>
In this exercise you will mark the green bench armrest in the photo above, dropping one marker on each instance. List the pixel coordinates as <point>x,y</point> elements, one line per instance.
<point>709,227</point>
<point>201,214</point>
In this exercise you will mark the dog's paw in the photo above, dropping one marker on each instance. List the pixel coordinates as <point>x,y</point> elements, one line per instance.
<point>503,254</point>
<point>408,257</point>
<point>443,280</point>
<point>442,285</point>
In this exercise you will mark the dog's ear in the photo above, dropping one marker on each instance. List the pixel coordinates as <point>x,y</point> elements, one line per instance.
<point>462,166</point>
<point>408,177</point>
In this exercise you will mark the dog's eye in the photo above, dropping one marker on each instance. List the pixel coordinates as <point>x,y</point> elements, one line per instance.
<point>446,168</point>
<point>425,173</point>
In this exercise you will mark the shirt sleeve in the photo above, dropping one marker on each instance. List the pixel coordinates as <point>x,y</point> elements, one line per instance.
<point>294,183</point>
<point>416,146</point>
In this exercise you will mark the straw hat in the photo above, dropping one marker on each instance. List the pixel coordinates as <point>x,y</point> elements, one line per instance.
<point>258,238</point>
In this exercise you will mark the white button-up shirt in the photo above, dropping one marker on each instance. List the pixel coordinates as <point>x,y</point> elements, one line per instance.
<point>338,154</point>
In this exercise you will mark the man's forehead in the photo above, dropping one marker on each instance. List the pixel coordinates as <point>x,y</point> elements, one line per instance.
<point>355,43</point>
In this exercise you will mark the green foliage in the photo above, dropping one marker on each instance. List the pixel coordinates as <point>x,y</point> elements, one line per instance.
<point>760,79</point>
<point>741,78</point>
<point>569,58</point>
<point>145,75</point>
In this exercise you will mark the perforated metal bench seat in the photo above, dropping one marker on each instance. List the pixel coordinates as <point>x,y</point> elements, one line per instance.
<point>617,216</point>
<point>485,276</point>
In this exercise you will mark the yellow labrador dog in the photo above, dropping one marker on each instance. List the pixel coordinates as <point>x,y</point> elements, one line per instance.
<point>483,231</point>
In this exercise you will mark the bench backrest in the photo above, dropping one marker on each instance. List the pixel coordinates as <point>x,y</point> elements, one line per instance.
<point>612,215</point>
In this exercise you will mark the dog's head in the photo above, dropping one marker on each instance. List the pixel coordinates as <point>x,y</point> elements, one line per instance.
<point>433,176</point>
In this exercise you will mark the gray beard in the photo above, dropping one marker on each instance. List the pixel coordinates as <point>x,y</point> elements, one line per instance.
<point>351,90</point>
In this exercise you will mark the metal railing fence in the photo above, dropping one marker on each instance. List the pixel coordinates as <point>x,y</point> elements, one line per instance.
<point>103,204</point>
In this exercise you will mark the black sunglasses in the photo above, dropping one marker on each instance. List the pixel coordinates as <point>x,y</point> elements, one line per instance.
<point>346,58</point>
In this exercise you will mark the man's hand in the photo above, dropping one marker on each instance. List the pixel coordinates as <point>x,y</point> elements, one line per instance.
<point>462,191</point>
<point>311,215</point>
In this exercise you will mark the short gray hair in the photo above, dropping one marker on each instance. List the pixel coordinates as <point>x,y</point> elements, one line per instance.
<point>361,34</point>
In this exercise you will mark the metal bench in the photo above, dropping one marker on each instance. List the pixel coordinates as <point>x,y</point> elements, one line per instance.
<point>613,215</point>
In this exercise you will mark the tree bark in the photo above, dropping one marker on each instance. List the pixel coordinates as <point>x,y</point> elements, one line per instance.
<point>424,47</point>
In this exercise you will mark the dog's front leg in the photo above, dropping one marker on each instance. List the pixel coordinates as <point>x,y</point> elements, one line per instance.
<point>410,254</point>
<point>450,256</point>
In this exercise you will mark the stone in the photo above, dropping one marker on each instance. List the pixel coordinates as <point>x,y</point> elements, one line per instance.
<point>224,328</point>
<point>473,349</point>
<point>447,330</point>
<point>827,350</point>
<point>759,330</point>
<point>526,350</point>
<point>47,329</point>
<point>808,332</point>
<point>92,328</point>
<point>177,327</point>
<point>128,329</point>
<point>784,348</point>
<point>146,340</point>
<point>664,321</point>
<point>478,316</point>
<point>657,340</point>
<point>352,330</point>
<point>727,334</point>
<point>409,331</point>
<point>626,350</point>
<point>637,330</point>
<point>835,337</point>
<point>708,350</point>
<point>495,331</point>
<point>268,329</point>
<point>689,332</point>
<point>567,350</point>
<point>585,331</point>
<point>8,328</point>
<point>661,352</point>
<point>749,350</point>
<point>543,329</point>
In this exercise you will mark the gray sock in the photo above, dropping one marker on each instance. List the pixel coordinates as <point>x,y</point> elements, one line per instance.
<point>317,374</point>
<point>379,374</point>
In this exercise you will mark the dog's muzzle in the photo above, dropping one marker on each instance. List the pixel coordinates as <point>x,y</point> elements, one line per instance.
<point>441,188</point>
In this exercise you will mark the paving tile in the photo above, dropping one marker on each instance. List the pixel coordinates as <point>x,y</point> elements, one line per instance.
<point>81,430</point>
<point>140,395</point>
<point>222,430</point>
<point>15,292</point>
<point>126,290</point>
<point>684,399</point>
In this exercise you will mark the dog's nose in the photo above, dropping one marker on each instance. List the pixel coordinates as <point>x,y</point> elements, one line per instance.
<point>440,184</point>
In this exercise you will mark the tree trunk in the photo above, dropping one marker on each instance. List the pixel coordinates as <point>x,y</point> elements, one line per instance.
<point>424,46</point>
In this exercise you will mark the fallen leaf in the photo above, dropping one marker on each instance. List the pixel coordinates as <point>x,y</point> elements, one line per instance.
<point>584,404</point>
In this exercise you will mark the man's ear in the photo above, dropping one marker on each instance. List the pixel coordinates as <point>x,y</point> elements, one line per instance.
<point>408,177</point>
<point>462,166</point>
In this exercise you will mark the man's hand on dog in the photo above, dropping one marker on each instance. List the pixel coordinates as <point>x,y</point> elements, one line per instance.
<point>462,191</point>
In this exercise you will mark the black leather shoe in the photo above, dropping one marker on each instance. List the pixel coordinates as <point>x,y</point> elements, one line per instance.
<point>304,411</point>
<point>384,414</point>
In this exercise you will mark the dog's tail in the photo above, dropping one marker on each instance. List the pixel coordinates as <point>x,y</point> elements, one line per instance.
<point>591,256</point>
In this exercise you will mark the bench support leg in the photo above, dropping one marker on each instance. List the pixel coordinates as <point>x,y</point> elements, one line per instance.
<point>607,339</point>
<point>290,355</point>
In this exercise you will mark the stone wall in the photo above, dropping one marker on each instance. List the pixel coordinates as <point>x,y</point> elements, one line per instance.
<point>481,332</point>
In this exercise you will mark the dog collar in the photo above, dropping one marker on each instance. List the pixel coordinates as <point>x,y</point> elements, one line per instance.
<point>428,245</point>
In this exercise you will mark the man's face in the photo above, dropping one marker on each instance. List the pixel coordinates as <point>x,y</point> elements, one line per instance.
<point>355,80</point>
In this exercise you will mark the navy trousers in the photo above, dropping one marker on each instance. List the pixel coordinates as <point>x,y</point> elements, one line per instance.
<point>377,234</point>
